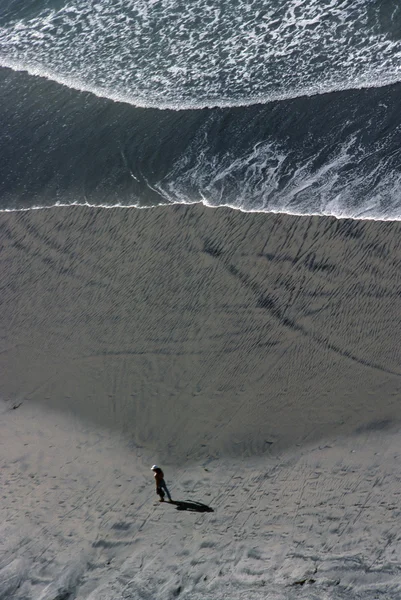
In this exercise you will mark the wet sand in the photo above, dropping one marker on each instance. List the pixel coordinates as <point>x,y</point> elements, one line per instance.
<point>203,332</point>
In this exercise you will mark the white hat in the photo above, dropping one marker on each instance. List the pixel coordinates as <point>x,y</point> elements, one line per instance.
<point>154,468</point>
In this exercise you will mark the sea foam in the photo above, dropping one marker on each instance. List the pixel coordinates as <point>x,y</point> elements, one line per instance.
<point>170,54</point>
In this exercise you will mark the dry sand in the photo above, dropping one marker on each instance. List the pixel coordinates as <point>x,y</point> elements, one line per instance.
<point>255,357</point>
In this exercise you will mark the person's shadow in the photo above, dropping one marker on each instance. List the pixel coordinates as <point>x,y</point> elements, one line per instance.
<point>191,506</point>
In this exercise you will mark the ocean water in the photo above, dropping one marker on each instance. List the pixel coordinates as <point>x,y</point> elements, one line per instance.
<point>286,106</point>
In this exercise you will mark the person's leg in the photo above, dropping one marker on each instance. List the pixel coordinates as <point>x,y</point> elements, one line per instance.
<point>166,490</point>
<point>160,492</point>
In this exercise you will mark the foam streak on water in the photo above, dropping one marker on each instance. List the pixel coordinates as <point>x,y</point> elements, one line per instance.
<point>262,181</point>
<point>171,53</point>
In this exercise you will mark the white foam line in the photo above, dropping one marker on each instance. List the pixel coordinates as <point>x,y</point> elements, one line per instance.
<point>79,86</point>
<point>204,203</point>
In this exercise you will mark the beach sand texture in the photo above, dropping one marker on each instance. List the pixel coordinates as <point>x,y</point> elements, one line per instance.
<point>255,357</point>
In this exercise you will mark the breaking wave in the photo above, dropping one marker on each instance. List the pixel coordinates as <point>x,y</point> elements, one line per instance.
<point>174,54</point>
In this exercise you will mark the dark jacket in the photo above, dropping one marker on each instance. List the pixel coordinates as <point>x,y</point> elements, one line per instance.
<point>159,477</point>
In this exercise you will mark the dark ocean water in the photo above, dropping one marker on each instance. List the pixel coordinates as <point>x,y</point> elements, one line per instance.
<point>264,105</point>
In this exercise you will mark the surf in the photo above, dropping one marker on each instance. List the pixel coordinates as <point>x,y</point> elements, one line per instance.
<point>170,56</point>
<point>177,105</point>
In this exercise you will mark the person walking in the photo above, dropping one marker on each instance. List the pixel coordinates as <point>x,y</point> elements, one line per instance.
<point>161,486</point>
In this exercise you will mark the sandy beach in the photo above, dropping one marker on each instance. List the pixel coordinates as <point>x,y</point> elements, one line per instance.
<point>254,356</point>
